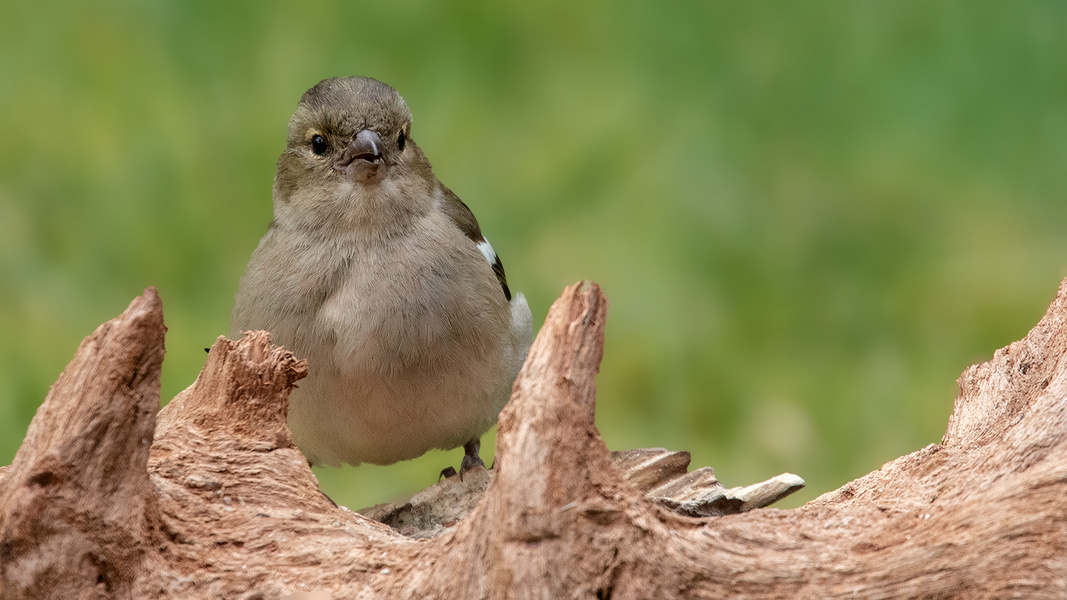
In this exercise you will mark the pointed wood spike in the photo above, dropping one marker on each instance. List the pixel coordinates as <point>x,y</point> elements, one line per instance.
<point>547,441</point>
<point>77,491</point>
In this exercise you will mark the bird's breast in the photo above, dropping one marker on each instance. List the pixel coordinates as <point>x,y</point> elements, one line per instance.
<point>414,306</point>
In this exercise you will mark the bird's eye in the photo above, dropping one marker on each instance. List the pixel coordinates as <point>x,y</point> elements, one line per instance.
<point>319,145</point>
<point>400,141</point>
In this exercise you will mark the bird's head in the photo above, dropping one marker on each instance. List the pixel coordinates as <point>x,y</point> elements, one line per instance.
<point>349,149</point>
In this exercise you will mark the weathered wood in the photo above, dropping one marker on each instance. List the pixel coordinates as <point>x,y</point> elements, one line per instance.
<point>663,476</point>
<point>76,499</point>
<point>225,506</point>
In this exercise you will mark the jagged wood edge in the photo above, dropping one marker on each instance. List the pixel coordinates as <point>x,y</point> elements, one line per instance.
<point>979,515</point>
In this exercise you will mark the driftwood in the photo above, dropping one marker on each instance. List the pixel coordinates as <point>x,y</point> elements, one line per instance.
<point>209,499</point>
<point>662,475</point>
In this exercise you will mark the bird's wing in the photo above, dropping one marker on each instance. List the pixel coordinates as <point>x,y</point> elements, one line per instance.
<point>465,221</point>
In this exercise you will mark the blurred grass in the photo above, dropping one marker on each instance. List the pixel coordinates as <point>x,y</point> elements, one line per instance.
<point>809,218</point>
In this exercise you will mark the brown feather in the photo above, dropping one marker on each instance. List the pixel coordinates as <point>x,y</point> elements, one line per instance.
<point>464,219</point>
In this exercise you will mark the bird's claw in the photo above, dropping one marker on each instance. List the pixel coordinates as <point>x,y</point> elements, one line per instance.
<point>470,457</point>
<point>470,460</point>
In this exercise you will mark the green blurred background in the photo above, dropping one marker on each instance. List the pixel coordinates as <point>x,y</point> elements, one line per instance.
<point>809,218</point>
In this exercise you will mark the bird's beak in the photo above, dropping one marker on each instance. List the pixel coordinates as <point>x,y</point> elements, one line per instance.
<point>362,159</point>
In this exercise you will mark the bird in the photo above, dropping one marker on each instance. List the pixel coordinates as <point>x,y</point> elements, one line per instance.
<point>380,277</point>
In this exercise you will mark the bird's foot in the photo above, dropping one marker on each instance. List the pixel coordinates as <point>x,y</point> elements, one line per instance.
<point>470,457</point>
<point>470,460</point>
